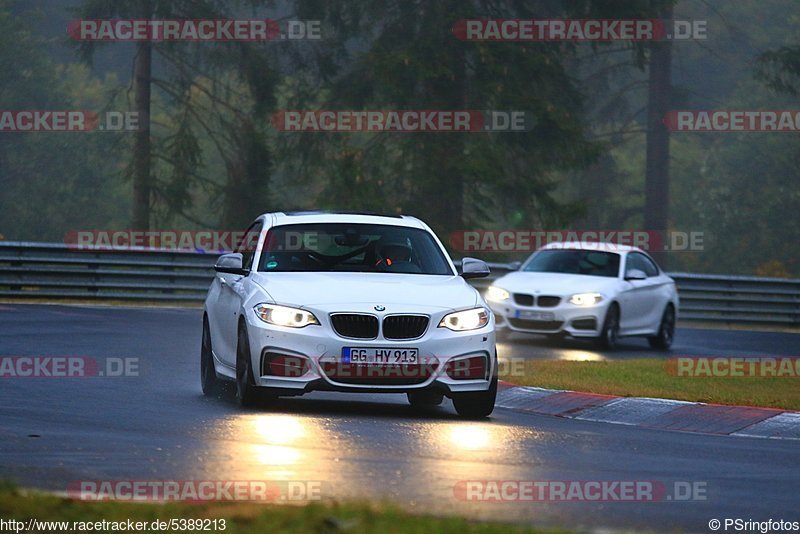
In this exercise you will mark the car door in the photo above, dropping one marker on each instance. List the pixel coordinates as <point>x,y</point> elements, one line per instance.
<point>660,292</point>
<point>232,292</point>
<point>641,297</point>
<point>627,296</point>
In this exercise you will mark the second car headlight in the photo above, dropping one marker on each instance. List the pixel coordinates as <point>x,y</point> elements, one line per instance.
<point>585,299</point>
<point>465,320</point>
<point>497,294</point>
<point>285,316</point>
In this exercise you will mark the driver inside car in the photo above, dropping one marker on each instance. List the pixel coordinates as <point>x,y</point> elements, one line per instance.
<point>396,257</point>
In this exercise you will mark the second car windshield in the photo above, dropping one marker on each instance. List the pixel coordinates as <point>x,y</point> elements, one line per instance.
<point>588,262</point>
<point>352,248</point>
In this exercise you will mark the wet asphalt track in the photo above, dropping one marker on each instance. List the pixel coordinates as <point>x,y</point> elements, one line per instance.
<point>159,426</point>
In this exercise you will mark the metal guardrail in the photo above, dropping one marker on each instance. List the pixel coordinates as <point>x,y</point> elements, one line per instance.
<point>48,271</point>
<point>54,271</point>
<point>738,299</point>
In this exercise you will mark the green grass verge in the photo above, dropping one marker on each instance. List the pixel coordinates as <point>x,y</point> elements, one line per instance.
<point>244,517</point>
<point>651,378</point>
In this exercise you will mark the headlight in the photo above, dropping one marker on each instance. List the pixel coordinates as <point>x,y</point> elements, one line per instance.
<point>285,316</point>
<point>585,299</point>
<point>497,294</point>
<point>465,320</point>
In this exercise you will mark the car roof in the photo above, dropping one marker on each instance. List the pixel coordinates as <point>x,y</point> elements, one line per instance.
<point>282,218</point>
<point>590,245</point>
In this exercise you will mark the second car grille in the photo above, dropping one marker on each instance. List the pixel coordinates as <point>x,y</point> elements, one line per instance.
<point>404,326</point>
<point>355,325</point>
<point>546,301</point>
<point>523,300</point>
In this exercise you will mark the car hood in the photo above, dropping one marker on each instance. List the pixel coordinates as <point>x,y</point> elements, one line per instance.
<point>401,292</point>
<point>555,283</point>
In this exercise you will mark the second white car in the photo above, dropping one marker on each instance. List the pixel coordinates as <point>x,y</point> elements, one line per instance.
<point>588,290</point>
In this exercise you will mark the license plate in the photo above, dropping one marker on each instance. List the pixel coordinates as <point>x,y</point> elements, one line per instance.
<point>369,355</point>
<point>535,315</point>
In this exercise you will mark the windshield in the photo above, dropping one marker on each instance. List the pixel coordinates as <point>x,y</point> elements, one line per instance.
<point>588,262</point>
<point>352,248</point>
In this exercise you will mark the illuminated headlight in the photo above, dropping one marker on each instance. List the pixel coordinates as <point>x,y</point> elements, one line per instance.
<point>497,294</point>
<point>585,299</point>
<point>285,316</point>
<point>465,320</point>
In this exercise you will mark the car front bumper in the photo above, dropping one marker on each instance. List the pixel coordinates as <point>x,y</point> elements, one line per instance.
<point>320,350</point>
<point>576,321</point>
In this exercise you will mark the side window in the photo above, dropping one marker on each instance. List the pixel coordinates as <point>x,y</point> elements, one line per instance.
<point>641,262</point>
<point>634,261</point>
<point>650,266</point>
<point>249,243</point>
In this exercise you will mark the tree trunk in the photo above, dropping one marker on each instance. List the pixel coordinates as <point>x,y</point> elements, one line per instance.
<point>656,204</point>
<point>141,148</point>
<point>440,201</point>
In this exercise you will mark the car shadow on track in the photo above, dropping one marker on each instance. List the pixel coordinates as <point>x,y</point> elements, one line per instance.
<point>559,348</point>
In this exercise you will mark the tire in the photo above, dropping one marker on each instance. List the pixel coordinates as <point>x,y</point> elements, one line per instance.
<point>609,336</point>
<point>208,375</point>
<point>478,405</point>
<point>666,330</point>
<point>246,391</point>
<point>424,399</point>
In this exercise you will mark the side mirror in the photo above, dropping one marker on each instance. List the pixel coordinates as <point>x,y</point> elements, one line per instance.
<point>515,265</point>
<point>231,264</point>
<point>473,268</point>
<point>635,274</point>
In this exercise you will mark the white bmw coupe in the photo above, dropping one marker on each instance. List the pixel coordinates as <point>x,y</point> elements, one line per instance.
<point>316,301</point>
<point>588,290</point>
